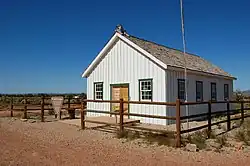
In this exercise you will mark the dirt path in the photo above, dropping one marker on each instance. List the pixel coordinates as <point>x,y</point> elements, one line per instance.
<point>55,143</point>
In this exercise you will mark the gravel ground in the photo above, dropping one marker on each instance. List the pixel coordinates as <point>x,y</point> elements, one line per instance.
<point>55,143</point>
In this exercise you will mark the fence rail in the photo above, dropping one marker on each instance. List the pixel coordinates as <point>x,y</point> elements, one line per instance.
<point>240,114</point>
<point>178,118</point>
<point>25,107</point>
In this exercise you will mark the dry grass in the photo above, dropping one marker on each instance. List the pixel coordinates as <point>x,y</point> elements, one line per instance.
<point>148,137</point>
<point>222,140</point>
<point>198,138</point>
<point>240,135</point>
<point>123,134</point>
<point>243,133</point>
<point>160,139</point>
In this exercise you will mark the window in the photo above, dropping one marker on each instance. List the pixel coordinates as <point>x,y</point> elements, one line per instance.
<point>226,92</point>
<point>213,92</point>
<point>98,90</point>
<point>199,91</point>
<point>181,89</point>
<point>146,89</point>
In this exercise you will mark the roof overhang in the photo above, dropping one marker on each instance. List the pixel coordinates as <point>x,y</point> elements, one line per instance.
<point>114,38</point>
<point>182,69</point>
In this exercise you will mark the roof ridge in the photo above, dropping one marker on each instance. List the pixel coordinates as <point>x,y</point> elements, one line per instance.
<point>164,46</point>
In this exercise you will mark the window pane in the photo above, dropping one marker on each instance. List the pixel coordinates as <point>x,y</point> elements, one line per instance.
<point>213,91</point>
<point>199,90</point>
<point>181,89</point>
<point>143,95</point>
<point>146,95</point>
<point>98,90</point>
<point>226,92</point>
<point>146,89</point>
<point>145,85</point>
<point>142,84</point>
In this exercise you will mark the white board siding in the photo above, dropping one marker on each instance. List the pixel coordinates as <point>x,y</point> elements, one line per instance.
<point>172,91</point>
<point>124,64</point>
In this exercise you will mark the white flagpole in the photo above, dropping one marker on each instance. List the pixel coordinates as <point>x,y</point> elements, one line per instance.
<point>184,56</point>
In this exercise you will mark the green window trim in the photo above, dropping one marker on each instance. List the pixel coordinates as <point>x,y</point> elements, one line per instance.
<point>148,92</point>
<point>98,93</point>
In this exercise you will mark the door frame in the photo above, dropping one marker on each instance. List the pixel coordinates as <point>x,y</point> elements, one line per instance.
<point>118,85</point>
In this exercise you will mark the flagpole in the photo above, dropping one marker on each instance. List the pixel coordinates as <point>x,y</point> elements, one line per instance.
<point>184,56</point>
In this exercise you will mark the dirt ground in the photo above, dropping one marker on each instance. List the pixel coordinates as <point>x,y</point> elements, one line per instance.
<point>55,143</point>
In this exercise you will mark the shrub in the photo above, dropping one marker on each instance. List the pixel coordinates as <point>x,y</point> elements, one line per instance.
<point>212,134</point>
<point>130,135</point>
<point>222,140</point>
<point>198,138</point>
<point>148,137</point>
<point>160,138</point>
<point>243,133</point>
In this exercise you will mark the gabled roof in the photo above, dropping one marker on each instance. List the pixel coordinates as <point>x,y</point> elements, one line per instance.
<point>173,57</point>
<point>162,55</point>
<point>114,38</point>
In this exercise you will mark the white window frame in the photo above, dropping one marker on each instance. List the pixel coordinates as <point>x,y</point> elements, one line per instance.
<point>98,91</point>
<point>141,90</point>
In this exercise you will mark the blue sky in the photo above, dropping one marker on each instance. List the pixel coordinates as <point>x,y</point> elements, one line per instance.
<point>46,45</point>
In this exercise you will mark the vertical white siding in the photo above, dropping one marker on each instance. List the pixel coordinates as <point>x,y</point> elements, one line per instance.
<point>124,64</point>
<point>172,91</point>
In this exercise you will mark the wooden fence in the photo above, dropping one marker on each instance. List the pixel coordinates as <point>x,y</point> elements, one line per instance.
<point>178,118</point>
<point>42,107</point>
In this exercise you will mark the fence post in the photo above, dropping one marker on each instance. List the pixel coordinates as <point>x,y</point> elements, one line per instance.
<point>209,118</point>
<point>25,109</point>
<point>228,116</point>
<point>121,115</point>
<point>11,107</point>
<point>68,106</point>
<point>242,111</point>
<point>178,123</point>
<point>68,102</point>
<point>82,116</point>
<point>42,109</point>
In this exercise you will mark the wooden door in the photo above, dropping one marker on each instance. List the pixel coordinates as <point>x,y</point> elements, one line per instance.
<point>115,96</point>
<point>119,92</point>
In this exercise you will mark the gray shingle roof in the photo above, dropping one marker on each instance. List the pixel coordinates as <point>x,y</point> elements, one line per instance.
<point>173,57</point>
